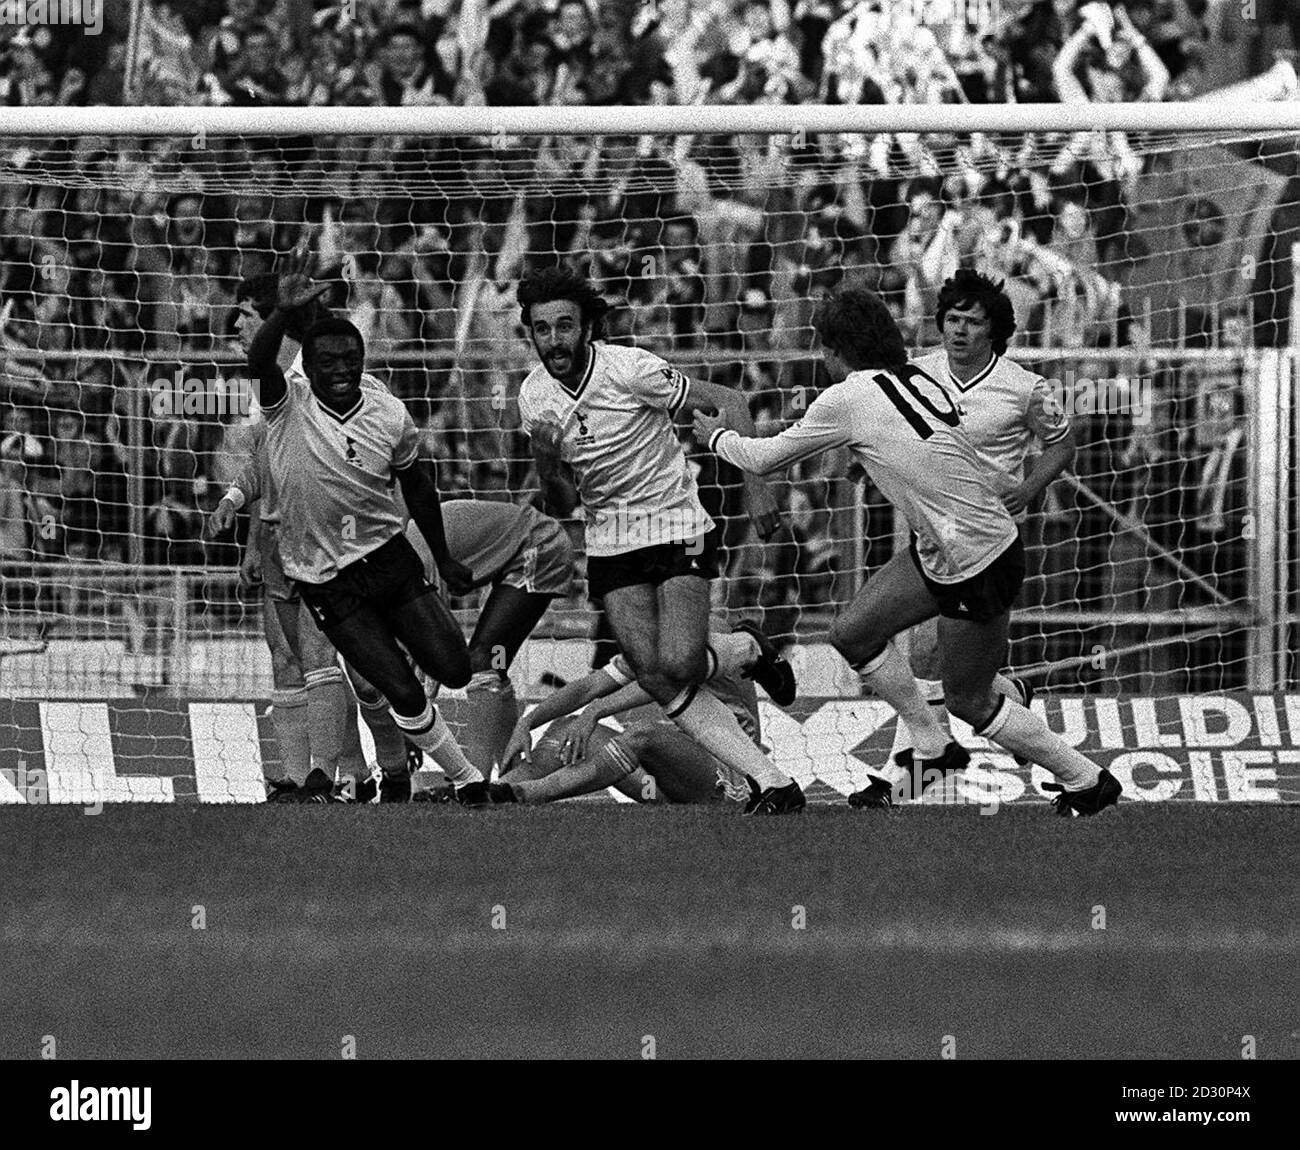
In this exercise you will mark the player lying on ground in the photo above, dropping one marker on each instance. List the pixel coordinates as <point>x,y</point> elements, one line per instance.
<point>652,760</point>
<point>1005,412</point>
<point>966,561</point>
<point>600,418</point>
<point>335,450</point>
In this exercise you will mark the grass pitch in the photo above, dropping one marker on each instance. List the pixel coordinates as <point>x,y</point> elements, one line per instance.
<point>590,929</point>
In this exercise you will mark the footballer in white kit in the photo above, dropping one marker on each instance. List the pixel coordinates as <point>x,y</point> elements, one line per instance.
<point>1008,412</point>
<point>601,422</point>
<point>336,452</point>
<point>966,562</point>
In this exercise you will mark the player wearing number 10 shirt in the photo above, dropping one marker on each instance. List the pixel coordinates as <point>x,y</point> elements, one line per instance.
<point>966,563</point>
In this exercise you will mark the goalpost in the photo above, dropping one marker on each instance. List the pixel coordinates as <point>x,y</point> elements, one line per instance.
<point>1145,246</point>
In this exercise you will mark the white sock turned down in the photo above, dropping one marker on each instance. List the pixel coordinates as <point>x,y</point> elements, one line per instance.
<point>429,732</point>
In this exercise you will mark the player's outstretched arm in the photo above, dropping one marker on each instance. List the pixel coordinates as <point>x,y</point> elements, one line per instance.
<point>823,427</point>
<point>294,291</point>
<point>263,365</point>
<point>732,406</point>
<point>585,722</point>
<point>565,701</point>
<point>420,490</point>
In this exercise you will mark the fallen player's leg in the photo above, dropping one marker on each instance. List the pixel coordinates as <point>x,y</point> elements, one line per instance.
<point>663,632</point>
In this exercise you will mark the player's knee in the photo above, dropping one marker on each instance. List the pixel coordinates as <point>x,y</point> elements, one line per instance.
<point>406,698</point>
<point>658,686</point>
<point>973,707</point>
<point>683,667</point>
<point>852,644</point>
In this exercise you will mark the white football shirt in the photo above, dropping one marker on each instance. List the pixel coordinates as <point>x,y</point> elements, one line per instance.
<point>1005,408</point>
<point>618,436</point>
<point>903,427</point>
<point>255,480</point>
<point>333,475</point>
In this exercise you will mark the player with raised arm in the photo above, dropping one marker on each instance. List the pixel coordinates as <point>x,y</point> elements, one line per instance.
<point>966,561</point>
<point>1006,412</point>
<point>524,556</point>
<point>312,710</point>
<point>600,418</point>
<point>336,449</point>
<point>652,759</point>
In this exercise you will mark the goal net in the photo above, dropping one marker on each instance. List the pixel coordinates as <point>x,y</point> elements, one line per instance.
<point>1151,274</point>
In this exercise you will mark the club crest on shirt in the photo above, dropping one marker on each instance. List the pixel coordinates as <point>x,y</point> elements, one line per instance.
<point>352,456</point>
<point>584,433</point>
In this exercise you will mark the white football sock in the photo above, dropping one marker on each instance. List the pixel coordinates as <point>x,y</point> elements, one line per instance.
<point>429,732</point>
<point>1024,733</point>
<point>889,677</point>
<point>493,712</point>
<point>932,691</point>
<point>289,717</point>
<point>332,725</point>
<point>710,723</point>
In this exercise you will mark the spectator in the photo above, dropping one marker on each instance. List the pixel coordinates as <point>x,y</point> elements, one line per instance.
<point>405,72</point>
<point>256,76</point>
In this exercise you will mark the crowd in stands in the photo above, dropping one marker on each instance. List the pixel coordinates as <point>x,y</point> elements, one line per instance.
<point>717,244</point>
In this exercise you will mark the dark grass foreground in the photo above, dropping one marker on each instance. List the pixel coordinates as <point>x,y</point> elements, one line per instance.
<point>624,923</point>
